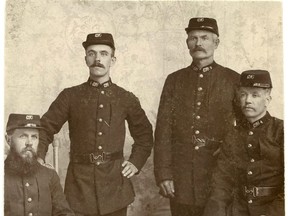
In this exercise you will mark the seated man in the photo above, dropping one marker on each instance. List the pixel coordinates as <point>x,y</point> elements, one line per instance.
<point>30,188</point>
<point>249,178</point>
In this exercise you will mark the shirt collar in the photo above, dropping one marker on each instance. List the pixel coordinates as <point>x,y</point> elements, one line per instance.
<point>96,84</point>
<point>257,123</point>
<point>204,69</point>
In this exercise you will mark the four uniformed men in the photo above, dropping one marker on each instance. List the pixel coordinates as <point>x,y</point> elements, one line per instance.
<point>197,109</point>
<point>29,188</point>
<point>249,179</point>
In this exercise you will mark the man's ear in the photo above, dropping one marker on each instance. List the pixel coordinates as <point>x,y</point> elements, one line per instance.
<point>217,42</point>
<point>268,100</point>
<point>8,139</point>
<point>113,61</point>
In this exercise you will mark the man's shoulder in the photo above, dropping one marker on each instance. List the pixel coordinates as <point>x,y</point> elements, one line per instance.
<point>179,73</point>
<point>123,93</point>
<point>227,72</point>
<point>45,171</point>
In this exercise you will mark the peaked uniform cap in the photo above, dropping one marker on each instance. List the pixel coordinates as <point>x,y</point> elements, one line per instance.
<point>203,23</point>
<point>256,78</point>
<point>23,121</point>
<point>99,38</point>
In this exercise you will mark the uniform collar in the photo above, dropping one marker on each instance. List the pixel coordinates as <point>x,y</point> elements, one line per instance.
<point>96,84</point>
<point>204,69</point>
<point>257,123</point>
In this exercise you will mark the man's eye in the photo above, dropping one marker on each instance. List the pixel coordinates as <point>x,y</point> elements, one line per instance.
<point>91,54</point>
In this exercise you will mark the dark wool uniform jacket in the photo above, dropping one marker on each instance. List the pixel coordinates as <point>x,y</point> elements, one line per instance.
<point>96,115</point>
<point>195,104</point>
<point>37,195</point>
<point>252,155</point>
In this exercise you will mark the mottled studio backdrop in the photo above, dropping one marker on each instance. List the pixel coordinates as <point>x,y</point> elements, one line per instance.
<point>43,55</point>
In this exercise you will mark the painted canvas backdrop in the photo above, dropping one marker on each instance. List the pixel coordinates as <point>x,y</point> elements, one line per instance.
<point>43,55</point>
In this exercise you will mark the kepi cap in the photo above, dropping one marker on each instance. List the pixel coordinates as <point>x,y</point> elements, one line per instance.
<point>23,121</point>
<point>99,38</point>
<point>255,78</point>
<point>203,23</point>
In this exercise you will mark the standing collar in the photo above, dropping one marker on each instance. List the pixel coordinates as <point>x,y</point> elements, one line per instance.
<point>98,85</point>
<point>257,123</point>
<point>204,69</point>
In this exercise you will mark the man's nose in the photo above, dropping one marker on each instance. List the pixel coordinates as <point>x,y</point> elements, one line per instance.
<point>248,99</point>
<point>198,42</point>
<point>29,142</point>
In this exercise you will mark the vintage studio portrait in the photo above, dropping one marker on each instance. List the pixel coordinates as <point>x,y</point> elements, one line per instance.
<point>143,108</point>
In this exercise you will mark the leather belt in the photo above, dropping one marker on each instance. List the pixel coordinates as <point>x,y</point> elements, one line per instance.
<point>96,158</point>
<point>259,191</point>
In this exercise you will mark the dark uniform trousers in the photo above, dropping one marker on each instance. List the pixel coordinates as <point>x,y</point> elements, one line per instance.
<point>96,116</point>
<point>39,194</point>
<point>249,178</point>
<point>196,108</point>
<point>121,212</point>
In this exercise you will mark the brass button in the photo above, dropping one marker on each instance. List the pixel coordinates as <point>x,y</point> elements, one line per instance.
<point>196,147</point>
<point>252,160</point>
<point>250,173</point>
<point>99,147</point>
<point>200,89</point>
<point>100,133</point>
<point>98,163</point>
<point>27,184</point>
<point>197,117</point>
<point>198,103</point>
<point>30,214</point>
<point>250,201</point>
<point>249,145</point>
<point>201,75</point>
<point>101,106</point>
<point>29,199</point>
<point>100,119</point>
<point>102,92</point>
<point>197,132</point>
<point>250,133</point>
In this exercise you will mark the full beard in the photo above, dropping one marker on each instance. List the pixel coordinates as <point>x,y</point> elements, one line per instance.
<point>24,163</point>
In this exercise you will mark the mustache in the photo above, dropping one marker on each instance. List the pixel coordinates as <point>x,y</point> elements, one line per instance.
<point>247,107</point>
<point>97,64</point>
<point>198,49</point>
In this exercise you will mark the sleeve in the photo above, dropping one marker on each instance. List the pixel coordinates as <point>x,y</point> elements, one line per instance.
<point>163,134</point>
<point>141,131</point>
<point>223,184</point>
<point>60,206</point>
<point>52,121</point>
<point>277,207</point>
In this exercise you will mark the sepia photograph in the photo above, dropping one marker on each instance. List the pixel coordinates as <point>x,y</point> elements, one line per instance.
<point>143,108</point>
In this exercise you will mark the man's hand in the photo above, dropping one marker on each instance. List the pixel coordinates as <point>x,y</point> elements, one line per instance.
<point>129,169</point>
<point>167,188</point>
<point>42,162</point>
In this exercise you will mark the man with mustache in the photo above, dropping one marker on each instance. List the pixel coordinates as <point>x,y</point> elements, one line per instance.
<point>98,178</point>
<point>196,109</point>
<point>249,179</point>
<point>30,189</point>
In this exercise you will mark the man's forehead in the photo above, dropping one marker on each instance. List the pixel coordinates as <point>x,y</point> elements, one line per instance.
<point>26,131</point>
<point>199,32</point>
<point>251,89</point>
<point>99,47</point>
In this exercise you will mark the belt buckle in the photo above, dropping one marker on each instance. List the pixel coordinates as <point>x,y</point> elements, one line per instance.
<point>97,158</point>
<point>254,191</point>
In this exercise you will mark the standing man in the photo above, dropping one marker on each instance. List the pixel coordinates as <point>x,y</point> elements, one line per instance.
<point>97,181</point>
<point>196,108</point>
<point>29,188</point>
<point>249,179</point>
